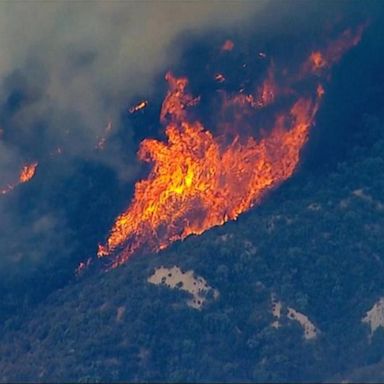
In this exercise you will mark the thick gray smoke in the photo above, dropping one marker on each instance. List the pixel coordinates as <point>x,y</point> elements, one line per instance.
<point>81,61</point>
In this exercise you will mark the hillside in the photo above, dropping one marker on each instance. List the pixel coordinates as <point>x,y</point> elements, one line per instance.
<point>315,245</point>
<point>224,224</point>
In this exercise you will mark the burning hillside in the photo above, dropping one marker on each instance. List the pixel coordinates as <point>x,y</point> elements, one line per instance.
<point>201,179</point>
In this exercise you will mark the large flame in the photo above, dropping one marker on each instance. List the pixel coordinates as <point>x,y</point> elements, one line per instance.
<point>198,180</point>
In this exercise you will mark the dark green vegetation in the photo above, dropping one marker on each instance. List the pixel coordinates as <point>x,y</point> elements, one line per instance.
<point>319,247</point>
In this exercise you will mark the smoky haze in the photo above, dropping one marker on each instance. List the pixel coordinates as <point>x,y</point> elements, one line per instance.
<point>77,64</point>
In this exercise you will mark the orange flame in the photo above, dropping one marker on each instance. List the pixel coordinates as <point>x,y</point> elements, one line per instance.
<point>26,174</point>
<point>334,51</point>
<point>195,185</point>
<point>196,182</point>
<point>138,107</point>
<point>264,95</point>
<point>317,60</point>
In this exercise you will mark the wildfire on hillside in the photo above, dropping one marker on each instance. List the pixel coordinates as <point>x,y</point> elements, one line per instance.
<point>199,180</point>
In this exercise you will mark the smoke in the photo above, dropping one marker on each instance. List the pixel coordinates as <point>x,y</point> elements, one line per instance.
<point>67,69</point>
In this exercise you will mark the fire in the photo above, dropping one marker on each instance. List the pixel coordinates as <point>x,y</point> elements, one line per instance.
<point>138,107</point>
<point>195,185</point>
<point>26,174</point>
<point>264,95</point>
<point>198,182</point>
<point>319,61</point>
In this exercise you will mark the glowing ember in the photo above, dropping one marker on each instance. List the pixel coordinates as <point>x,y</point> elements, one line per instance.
<point>334,51</point>
<point>317,60</point>
<point>227,46</point>
<point>26,174</point>
<point>139,106</point>
<point>197,182</point>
